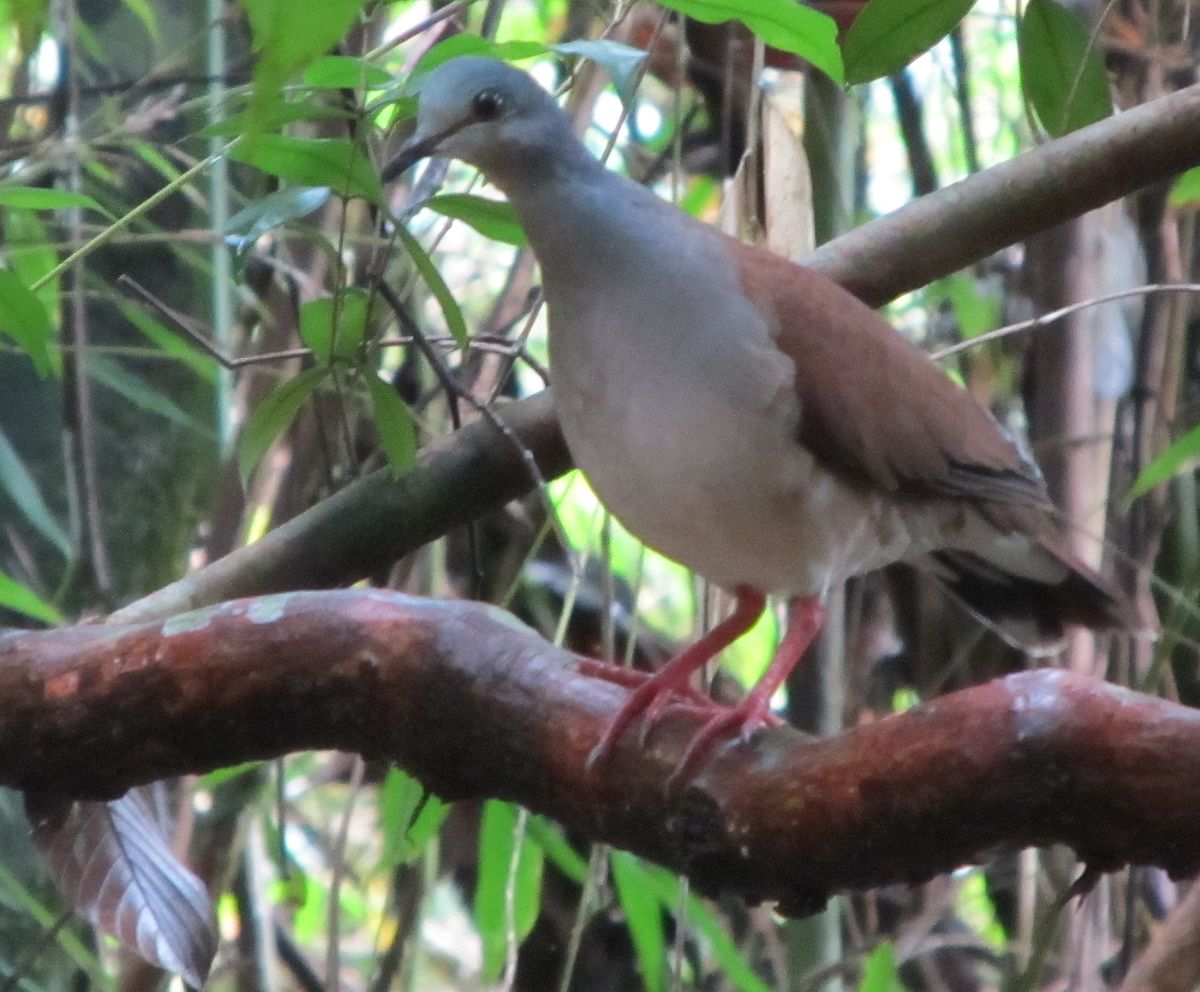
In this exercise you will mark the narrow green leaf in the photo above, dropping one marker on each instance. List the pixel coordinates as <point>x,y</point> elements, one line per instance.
<point>36,198</point>
<point>394,422</point>
<point>701,919</point>
<point>975,311</point>
<point>1180,455</point>
<point>335,326</point>
<point>643,916</point>
<point>169,342</point>
<point>137,391</point>
<point>334,162</point>
<point>273,416</point>
<point>23,491</point>
<point>782,24</point>
<point>144,13</point>
<point>410,815</point>
<point>1053,45</point>
<point>1186,189</point>
<point>21,599</point>
<point>437,285</point>
<point>880,973</point>
<point>558,849</point>
<point>497,834</point>
<point>888,34</point>
<point>493,219</point>
<point>23,318</point>
<point>272,211</point>
<point>345,72</point>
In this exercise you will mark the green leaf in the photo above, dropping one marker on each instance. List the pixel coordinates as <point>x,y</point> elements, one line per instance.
<point>144,13</point>
<point>21,599</point>
<point>31,256</point>
<point>880,973</point>
<point>410,816</point>
<point>255,119</point>
<point>345,72</point>
<point>334,162</point>
<point>1186,189</point>
<point>782,24</point>
<point>272,211</point>
<point>888,34</point>
<point>701,919</point>
<point>1053,45</point>
<point>492,218</point>
<point>437,285</point>
<point>619,61</point>
<point>497,834</point>
<point>397,433</point>
<point>135,389</point>
<point>287,36</point>
<point>23,318</point>
<point>169,342</point>
<point>273,416</point>
<point>36,198</point>
<point>643,916</point>
<point>23,491</point>
<point>557,849</point>
<point>335,326</point>
<point>975,311</point>
<point>1180,455</point>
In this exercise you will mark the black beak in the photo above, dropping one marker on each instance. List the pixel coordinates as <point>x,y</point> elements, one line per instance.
<point>411,152</point>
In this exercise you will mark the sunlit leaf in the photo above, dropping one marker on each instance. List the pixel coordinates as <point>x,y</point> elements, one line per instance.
<point>23,491</point>
<point>335,326</point>
<point>497,834</point>
<point>492,218</point>
<point>783,24</point>
<point>397,433</point>
<point>880,973</point>
<point>1180,455</point>
<point>334,162</point>
<point>271,211</point>
<point>888,34</point>
<point>643,916</point>
<point>36,198</point>
<point>274,117</point>
<point>21,599</point>
<point>345,72</point>
<point>29,18</point>
<point>23,318</point>
<point>286,37</point>
<point>31,255</point>
<point>273,416</point>
<point>1186,189</point>
<point>410,816</point>
<point>1062,73</point>
<point>437,285</point>
<point>110,861</point>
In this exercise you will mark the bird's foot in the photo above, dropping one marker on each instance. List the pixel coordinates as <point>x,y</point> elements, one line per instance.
<point>632,678</point>
<point>743,719</point>
<point>650,696</point>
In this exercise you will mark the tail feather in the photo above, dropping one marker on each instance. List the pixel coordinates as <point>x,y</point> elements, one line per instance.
<point>1002,598</point>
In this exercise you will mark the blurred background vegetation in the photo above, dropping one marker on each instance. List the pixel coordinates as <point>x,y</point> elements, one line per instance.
<point>216,164</point>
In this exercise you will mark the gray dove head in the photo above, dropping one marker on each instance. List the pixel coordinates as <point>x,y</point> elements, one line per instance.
<point>493,116</point>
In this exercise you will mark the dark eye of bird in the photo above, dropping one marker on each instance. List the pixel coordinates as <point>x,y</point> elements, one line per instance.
<point>487,105</point>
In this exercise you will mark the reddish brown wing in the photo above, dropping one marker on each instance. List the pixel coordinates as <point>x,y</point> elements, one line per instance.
<point>872,404</point>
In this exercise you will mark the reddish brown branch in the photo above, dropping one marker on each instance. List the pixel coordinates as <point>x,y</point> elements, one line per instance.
<point>475,704</point>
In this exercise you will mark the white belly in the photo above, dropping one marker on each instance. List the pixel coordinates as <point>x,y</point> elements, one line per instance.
<point>695,454</point>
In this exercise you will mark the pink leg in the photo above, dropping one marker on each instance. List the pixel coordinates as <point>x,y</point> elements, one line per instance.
<point>806,617</point>
<point>652,695</point>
